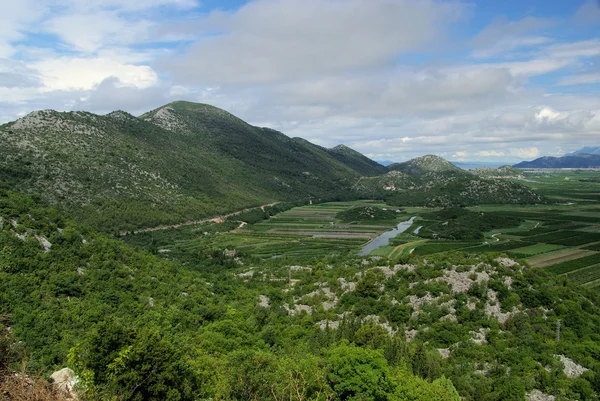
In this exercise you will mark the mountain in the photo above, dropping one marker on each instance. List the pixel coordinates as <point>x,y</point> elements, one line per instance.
<point>591,150</point>
<point>179,162</point>
<point>385,162</point>
<point>433,181</point>
<point>502,171</point>
<point>581,160</point>
<point>475,164</point>
<point>425,164</point>
<point>357,161</point>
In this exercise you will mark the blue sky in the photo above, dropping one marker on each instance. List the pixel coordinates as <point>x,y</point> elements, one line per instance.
<point>478,80</point>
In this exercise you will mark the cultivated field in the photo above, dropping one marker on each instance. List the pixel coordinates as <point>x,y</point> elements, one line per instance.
<point>562,235</point>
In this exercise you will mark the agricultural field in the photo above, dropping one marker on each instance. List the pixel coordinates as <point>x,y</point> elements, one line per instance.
<point>562,235</point>
<point>306,231</point>
<point>565,238</point>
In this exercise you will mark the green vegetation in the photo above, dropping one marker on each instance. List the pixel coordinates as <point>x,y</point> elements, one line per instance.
<point>181,162</point>
<point>461,224</point>
<point>575,264</point>
<point>183,318</point>
<point>273,302</point>
<point>503,171</point>
<point>367,213</point>
<point>535,249</point>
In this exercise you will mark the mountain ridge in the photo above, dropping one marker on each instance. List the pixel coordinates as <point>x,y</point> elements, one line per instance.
<point>580,160</point>
<point>190,162</point>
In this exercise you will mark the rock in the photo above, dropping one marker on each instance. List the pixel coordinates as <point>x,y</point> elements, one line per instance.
<point>571,368</point>
<point>410,334</point>
<point>444,352</point>
<point>346,285</point>
<point>44,243</point>
<point>506,262</point>
<point>331,324</point>
<point>65,380</point>
<point>263,301</point>
<point>478,337</point>
<point>537,395</point>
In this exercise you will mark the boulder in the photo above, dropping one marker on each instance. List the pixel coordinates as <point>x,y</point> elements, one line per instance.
<point>65,380</point>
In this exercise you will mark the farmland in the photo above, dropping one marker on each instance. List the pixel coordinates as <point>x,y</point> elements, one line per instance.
<point>562,236</point>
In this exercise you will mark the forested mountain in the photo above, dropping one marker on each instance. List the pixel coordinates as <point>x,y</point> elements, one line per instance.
<point>580,160</point>
<point>179,162</point>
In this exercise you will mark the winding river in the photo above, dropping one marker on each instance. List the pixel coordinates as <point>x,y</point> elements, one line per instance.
<point>384,238</point>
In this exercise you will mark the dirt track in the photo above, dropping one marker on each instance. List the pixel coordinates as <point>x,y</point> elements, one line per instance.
<point>215,219</point>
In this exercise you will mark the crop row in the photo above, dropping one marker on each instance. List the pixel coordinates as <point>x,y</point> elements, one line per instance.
<point>578,240</point>
<point>595,247</point>
<point>559,235</point>
<point>535,250</point>
<point>435,247</point>
<point>503,246</point>
<point>585,275</point>
<point>575,264</point>
<point>536,231</point>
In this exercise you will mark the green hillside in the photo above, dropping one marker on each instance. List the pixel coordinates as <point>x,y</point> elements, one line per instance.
<point>435,182</point>
<point>425,164</point>
<point>502,171</point>
<point>357,161</point>
<point>187,161</point>
<point>180,162</point>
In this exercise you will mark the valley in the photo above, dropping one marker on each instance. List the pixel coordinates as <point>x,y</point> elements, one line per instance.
<point>253,269</point>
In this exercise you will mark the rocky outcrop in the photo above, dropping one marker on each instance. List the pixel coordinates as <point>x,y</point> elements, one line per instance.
<point>66,381</point>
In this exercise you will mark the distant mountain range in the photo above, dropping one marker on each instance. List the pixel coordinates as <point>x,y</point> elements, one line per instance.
<point>577,160</point>
<point>185,161</point>
<point>590,150</point>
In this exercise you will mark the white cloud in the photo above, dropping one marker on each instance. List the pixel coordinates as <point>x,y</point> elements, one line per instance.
<point>503,36</point>
<point>66,73</point>
<point>490,153</point>
<point>581,79</point>
<point>304,38</point>
<point>546,114</point>
<point>583,48</point>
<point>91,32</point>
<point>330,71</point>
<point>523,153</point>
<point>460,156</point>
<point>589,12</point>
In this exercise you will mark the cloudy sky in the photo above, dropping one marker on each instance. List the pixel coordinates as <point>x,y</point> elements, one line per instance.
<point>482,80</point>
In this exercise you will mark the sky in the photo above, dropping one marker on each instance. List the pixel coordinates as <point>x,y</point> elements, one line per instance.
<point>479,80</point>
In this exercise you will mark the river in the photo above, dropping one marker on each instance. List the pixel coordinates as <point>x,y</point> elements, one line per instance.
<point>384,238</point>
